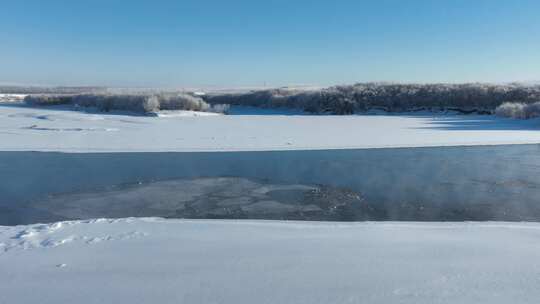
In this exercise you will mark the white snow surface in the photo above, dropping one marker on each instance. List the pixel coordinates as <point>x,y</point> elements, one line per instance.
<point>184,113</point>
<point>25,128</point>
<point>153,260</point>
<point>11,97</point>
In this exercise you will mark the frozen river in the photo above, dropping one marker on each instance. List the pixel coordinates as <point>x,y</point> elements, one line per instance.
<point>436,184</point>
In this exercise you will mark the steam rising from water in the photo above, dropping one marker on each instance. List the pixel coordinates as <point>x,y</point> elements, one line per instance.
<point>451,183</point>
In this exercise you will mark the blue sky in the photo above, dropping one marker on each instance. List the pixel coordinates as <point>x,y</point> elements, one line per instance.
<point>251,43</point>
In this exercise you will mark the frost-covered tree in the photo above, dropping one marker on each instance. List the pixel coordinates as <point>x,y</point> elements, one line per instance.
<point>140,103</point>
<point>518,110</point>
<point>466,98</point>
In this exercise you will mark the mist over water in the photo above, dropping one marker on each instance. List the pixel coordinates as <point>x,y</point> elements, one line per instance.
<point>447,183</point>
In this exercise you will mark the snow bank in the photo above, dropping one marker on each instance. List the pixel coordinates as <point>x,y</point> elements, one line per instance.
<point>50,129</point>
<point>179,261</point>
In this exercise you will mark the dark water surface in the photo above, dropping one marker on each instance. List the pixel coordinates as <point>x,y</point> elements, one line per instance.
<point>447,183</point>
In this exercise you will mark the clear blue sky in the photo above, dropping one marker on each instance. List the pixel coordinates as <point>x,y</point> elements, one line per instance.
<point>248,43</point>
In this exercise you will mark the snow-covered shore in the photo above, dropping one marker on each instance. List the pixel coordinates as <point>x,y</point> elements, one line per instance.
<point>208,261</point>
<point>25,128</point>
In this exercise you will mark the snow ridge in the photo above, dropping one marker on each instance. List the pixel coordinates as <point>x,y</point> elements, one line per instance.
<point>62,233</point>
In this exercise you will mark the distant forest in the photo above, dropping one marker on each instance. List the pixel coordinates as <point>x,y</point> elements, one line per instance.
<point>518,99</point>
<point>362,97</point>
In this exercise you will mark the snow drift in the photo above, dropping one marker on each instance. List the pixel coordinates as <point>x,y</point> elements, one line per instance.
<point>179,261</point>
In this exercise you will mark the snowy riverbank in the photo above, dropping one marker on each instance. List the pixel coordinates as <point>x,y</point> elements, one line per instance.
<point>24,128</point>
<point>179,261</point>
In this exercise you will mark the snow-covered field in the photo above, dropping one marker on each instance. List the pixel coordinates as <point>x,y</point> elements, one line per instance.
<point>51,129</point>
<point>179,261</point>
